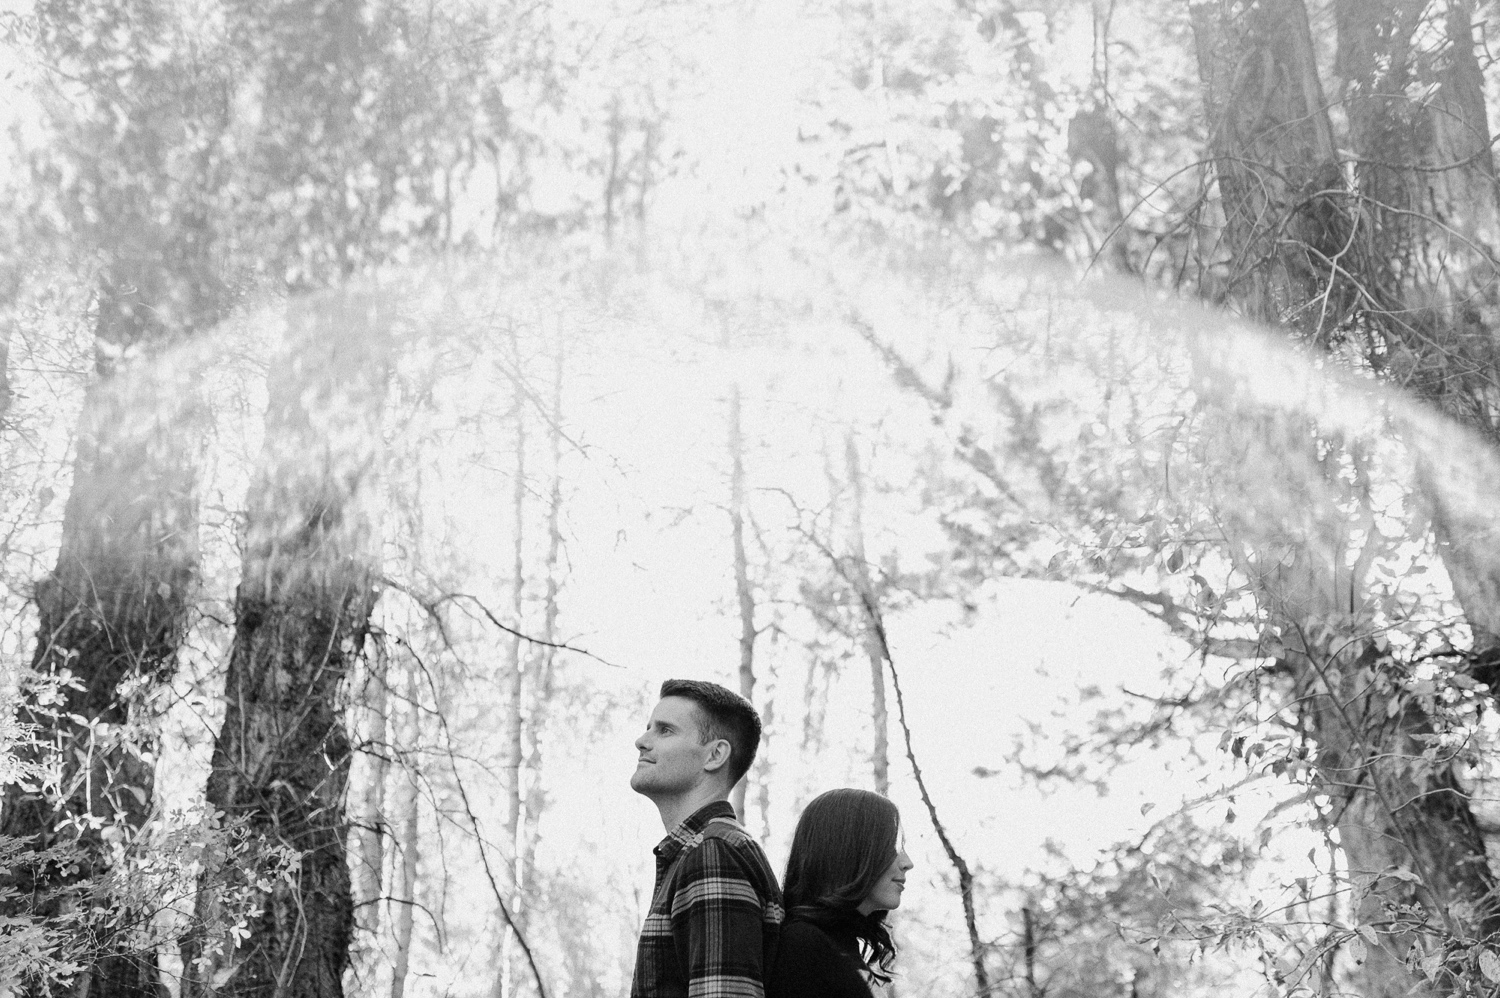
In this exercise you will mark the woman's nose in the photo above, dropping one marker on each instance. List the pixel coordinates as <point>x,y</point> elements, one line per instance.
<point>906,863</point>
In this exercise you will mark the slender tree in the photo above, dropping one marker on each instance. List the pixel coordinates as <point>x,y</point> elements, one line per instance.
<point>744,594</point>
<point>407,811</point>
<point>515,661</point>
<point>370,831</point>
<point>544,684</point>
<point>859,576</point>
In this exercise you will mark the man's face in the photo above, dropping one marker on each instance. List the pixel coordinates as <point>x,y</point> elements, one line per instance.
<point>672,757</point>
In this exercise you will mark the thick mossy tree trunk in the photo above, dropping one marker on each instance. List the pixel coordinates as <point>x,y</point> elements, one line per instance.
<point>112,613</point>
<point>281,762</point>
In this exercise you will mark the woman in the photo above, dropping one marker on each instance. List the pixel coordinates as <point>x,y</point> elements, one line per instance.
<point>845,871</point>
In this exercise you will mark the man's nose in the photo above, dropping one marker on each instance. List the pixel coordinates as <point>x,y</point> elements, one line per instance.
<point>640,743</point>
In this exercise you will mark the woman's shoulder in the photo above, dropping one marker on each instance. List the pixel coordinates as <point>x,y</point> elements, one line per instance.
<point>801,931</point>
<point>802,945</point>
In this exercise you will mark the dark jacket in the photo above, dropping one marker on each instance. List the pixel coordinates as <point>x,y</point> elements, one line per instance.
<point>815,962</point>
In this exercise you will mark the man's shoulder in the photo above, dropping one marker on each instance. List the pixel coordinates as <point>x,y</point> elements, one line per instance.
<point>721,843</point>
<point>730,832</point>
<point>723,851</point>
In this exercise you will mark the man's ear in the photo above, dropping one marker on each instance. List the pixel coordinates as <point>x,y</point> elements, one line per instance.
<point>718,755</point>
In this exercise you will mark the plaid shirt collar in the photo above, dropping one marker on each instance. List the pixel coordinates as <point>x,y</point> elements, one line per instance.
<point>691,828</point>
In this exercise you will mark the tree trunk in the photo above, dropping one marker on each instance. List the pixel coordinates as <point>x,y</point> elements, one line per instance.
<point>1274,156</point>
<point>543,683</point>
<point>1093,139</point>
<point>1418,124</point>
<point>10,290</point>
<point>743,593</point>
<point>1396,808</point>
<point>281,762</point>
<point>880,754</point>
<point>515,750</point>
<point>114,609</point>
<point>371,833</point>
<point>615,135</point>
<point>408,851</point>
<point>1396,266</point>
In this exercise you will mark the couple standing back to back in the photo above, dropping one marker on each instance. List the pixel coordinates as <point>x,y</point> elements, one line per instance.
<point>718,926</point>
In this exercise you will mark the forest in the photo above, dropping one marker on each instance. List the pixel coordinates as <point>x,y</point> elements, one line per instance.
<point>1077,420</point>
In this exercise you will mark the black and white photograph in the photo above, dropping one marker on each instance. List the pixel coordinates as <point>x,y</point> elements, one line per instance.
<point>749,499</point>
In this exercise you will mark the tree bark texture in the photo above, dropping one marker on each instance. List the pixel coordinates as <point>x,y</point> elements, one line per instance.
<point>1274,156</point>
<point>1414,94</point>
<point>372,830</point>
<point>280,765</point>
<point>1427,201</point>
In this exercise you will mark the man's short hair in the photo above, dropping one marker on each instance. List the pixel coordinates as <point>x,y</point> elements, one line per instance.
<point>722,713</point>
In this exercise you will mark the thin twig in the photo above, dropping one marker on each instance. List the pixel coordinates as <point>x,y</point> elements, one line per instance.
<point>484,858</point>
<point>430,604</point>
<point>965,878</point>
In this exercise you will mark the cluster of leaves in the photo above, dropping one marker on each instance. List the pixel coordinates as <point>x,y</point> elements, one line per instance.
<point>100,887</point>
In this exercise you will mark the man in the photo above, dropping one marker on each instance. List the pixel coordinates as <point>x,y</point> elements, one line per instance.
<point>716,911</point>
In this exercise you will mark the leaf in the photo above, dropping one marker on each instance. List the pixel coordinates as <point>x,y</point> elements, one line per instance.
<point>1147,808</point>
<point>1489,965</point>
<point>1356,949</point>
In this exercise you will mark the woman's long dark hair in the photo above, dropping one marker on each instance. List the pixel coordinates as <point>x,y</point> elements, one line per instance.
<point>845,840</point>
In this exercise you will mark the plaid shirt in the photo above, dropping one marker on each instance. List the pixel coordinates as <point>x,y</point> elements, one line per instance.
<point>716,914</point>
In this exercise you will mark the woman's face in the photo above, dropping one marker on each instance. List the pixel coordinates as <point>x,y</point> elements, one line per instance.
<point>886,894</point>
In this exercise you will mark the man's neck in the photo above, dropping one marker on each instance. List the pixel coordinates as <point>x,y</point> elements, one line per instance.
<point>678,809</point>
